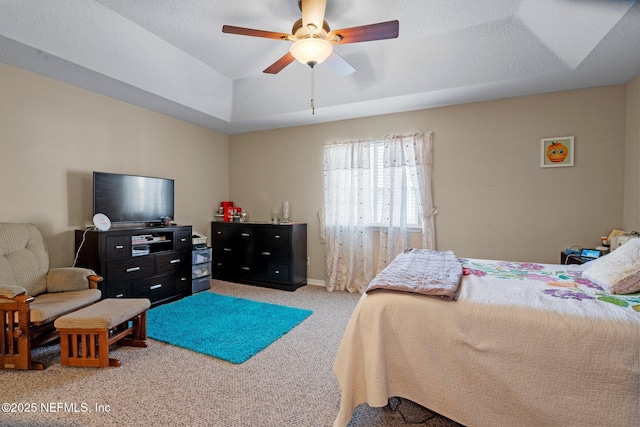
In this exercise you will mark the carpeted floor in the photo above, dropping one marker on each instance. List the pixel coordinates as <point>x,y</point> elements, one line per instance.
<point>290,383</point>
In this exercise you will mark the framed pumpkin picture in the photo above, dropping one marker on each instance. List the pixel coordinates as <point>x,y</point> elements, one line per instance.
<point>556,152</point>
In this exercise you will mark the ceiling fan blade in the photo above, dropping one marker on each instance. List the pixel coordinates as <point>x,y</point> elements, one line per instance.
<point>365,33</point>
<point>277,66</point>
<point>230,29</point>
<point>339,64</point>
<point>313,12</point>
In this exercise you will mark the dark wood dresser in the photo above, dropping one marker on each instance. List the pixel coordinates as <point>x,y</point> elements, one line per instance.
<point>145,262</point>
<point>260,254</point>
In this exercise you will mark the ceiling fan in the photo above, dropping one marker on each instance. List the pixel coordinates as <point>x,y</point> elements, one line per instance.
<point>314,40</point>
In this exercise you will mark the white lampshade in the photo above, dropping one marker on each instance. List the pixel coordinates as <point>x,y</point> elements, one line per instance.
<point>311,50</point>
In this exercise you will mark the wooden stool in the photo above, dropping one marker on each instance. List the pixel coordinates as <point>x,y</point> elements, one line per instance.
<point>86,334</point>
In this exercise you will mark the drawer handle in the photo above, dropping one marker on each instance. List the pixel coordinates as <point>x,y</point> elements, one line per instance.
<point>132,269</point>
<point>277,271</point>
<point>266,253</point>
<point>227,249</point>
<point>246,268</point>
<point>245,234</point>
<point>158,286</point>
<point>219,232</point>
<point>182,279</point>
<point>174,261</point>
<point>119,247</point>
<point>184,239</point>
<point>119,295</point>
<point>277,236</point>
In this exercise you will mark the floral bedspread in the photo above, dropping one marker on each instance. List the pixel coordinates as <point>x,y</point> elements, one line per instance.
<point>552,281</point>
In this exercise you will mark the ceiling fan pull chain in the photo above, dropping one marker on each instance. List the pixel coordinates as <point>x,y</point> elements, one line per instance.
<point>313,108</point>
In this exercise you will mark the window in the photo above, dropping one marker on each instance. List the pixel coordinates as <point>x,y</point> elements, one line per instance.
<point>377,189</point>
<point>366,184</point>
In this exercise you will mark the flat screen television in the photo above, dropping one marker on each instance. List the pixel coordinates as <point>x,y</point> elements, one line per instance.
<point>131,198</point>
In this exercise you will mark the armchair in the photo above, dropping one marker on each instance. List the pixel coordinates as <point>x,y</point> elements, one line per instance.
<point>32,296</point>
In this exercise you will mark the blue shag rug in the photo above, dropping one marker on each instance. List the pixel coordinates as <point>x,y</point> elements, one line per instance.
<point>228,328</point>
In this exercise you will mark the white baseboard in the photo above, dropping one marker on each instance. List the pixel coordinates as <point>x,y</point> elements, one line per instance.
<point>315,282</point>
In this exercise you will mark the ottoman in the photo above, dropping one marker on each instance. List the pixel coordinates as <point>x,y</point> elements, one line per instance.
<point>86,334</point>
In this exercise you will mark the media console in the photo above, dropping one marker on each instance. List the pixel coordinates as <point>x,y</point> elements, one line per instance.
<point>144,262</point>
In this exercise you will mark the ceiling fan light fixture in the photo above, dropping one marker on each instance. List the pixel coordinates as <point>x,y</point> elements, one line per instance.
<point>311,50</point>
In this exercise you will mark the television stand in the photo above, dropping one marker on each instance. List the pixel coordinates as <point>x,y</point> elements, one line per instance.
<point>139,262</point>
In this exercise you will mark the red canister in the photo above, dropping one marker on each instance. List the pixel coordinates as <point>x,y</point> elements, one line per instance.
<point>226,207</point>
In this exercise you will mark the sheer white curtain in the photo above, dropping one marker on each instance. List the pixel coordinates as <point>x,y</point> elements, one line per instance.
<point>407,174</point>
<point>395,177</point>
<point>348,215</point>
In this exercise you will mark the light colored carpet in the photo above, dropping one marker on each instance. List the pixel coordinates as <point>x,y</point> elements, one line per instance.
<point>290,383</point>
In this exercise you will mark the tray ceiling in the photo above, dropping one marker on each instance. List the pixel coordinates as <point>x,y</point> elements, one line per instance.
<point>172,57</point>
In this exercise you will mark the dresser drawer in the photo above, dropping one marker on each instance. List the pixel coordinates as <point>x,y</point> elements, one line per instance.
<point>183,283</point>
<point>133,268</point>
<point>225,250</point>
<point>219,232</point>
<point>223,267</point>
<point>119,290</point>
<point>278,272</point>
<point>154,288</point>
<point>249,271</point>
<point>278,236</point>
<point>246,233</point>
<point>118,247</point>
<point>183,240</point>
<point>172,261</point>
<point>270,253</point>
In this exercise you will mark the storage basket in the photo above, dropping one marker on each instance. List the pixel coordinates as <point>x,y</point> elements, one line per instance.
<point>199,240</point>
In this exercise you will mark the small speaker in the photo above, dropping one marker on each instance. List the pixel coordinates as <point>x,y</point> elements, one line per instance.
<point>102,222</point>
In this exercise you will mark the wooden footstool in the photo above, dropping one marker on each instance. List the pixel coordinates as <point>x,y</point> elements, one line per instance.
<point>86,334</point>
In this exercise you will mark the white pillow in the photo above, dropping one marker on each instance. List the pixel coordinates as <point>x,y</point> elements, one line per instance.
<point>615,267</point>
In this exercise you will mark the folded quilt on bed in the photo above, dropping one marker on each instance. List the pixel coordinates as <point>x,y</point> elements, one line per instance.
<point>421,271</point>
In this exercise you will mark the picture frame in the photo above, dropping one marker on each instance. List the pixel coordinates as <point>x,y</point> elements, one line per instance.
<point>557,152</point>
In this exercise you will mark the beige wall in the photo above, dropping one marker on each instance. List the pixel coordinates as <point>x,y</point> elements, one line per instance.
<point>631,220</point>
<point>54,135</point>
<point>494,200</point>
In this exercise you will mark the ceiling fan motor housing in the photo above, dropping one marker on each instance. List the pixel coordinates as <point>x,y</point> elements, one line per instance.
<point>302,32</point>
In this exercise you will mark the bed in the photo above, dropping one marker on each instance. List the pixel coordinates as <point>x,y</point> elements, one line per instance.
<point>518,344</point>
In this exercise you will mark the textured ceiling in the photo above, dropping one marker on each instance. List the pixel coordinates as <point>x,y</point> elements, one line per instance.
<point>172,57</point>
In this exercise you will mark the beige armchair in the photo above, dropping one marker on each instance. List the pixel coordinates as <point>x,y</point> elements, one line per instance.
<point>32,296</point>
